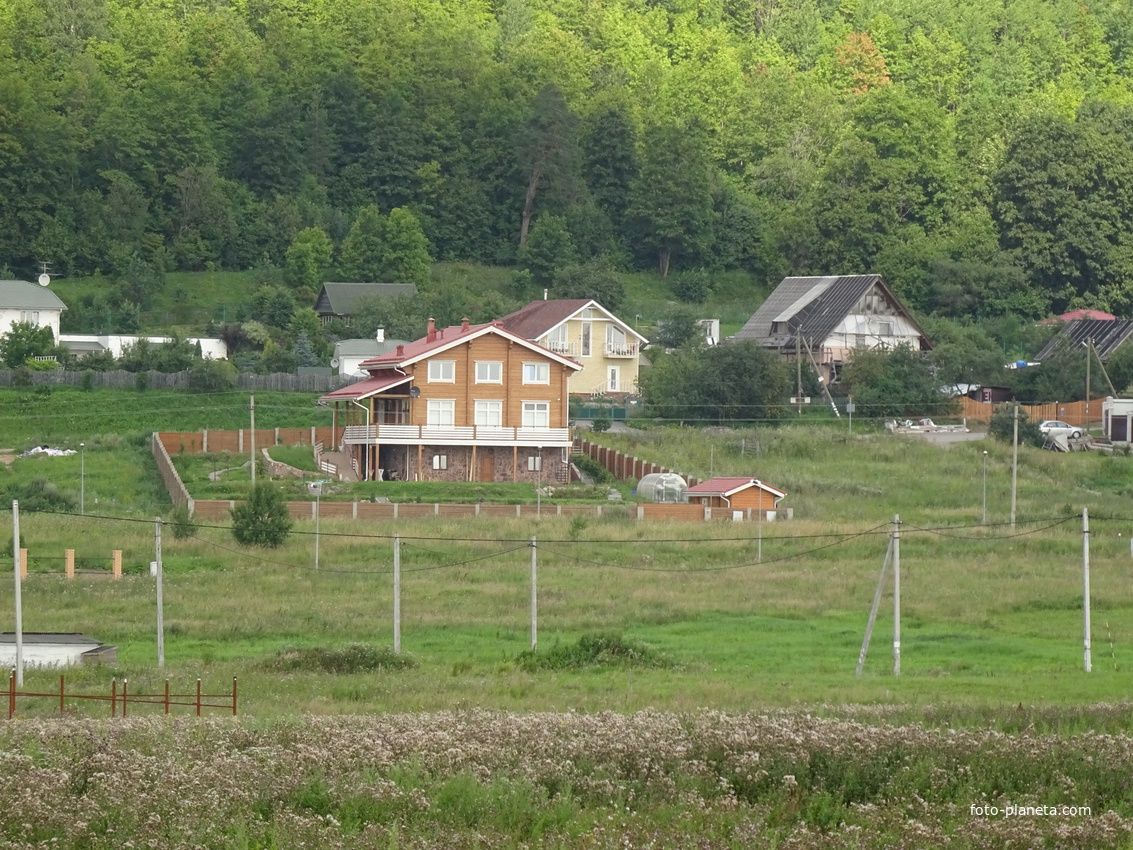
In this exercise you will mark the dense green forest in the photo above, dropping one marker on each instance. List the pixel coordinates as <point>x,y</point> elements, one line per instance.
<point>975,153</point>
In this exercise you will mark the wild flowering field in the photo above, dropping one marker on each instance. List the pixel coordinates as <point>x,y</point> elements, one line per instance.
<point>557,780</point>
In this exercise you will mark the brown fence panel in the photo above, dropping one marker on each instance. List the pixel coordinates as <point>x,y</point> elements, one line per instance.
<point>336,510</point>
<point>224,441</point>
<point>375,510</point>
<point>456,510</point>
<point>211,508</point>
<point>691,513</point>
<point>325,434</point>
<point>413,510</point>
<point>498,510</point>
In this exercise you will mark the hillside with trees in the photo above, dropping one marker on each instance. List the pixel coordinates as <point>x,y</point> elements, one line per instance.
<point>974,154</point>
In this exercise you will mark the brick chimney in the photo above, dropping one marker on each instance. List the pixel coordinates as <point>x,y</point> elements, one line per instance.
<point>464,324</point>
<point>431,334</point>
<point>400,350</point>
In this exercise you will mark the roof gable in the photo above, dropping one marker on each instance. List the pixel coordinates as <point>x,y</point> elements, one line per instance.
<point>447,338</point>
<point>21,295</point>
<point>811,308</point>
<point>541,317</point>
<point>726,486</point>
<point>341,299</point>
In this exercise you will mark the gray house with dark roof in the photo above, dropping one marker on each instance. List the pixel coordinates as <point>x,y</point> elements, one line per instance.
<point>340,300</point>
<point>823,319</point>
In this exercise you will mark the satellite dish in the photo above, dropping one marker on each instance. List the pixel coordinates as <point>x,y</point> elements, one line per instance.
<point>44,279</point>
<point>334,363</point>
<point>414,392</point>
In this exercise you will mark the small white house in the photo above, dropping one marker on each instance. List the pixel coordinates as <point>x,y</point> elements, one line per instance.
<point>55,649</point>
<point>1117,419</point>
<point>21,301</point>
<point>349,354</point>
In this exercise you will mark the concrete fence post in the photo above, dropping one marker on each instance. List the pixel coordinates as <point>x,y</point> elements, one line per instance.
<point>277,436</point>
<point>205,441</point>
<point>116,563</point>
<point>69,563</point>
<point>313,440</point>
<point>240,440</point>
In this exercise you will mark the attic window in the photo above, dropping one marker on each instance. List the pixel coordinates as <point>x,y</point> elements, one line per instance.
<point>885,329</point>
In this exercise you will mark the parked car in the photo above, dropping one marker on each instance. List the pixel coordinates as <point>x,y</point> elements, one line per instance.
<point>1057,428</point>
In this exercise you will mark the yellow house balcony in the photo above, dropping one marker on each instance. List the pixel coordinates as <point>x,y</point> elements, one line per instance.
<point>621,349</point>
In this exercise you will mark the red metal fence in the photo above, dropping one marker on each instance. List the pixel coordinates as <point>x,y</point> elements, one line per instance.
<point>122,699</point>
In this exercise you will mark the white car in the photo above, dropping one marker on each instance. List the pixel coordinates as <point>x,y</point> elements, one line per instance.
<point>1057,428</point>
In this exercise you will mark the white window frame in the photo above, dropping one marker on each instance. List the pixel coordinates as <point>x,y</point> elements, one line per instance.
<point>531,411</point>
<point>557,338</point>
<point>440,409</point>
<point>486,410</point>
<point>537,367</point>
<point>440,461</point>
<point>613,379</point>
<point>437,376</point>
<point>534,463</point>
<point>484,370</point>
<point>587,338</point>
<point>885,328</point>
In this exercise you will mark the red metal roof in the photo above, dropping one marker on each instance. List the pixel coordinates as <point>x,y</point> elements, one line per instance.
<point>728,486</point>
<point>1086,314</point>
<point>370,386</point>
<point>455,335</point>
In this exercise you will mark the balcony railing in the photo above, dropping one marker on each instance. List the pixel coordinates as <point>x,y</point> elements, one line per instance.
<point>621,349</point>
<point>567,349</point>
<point>454,435</point>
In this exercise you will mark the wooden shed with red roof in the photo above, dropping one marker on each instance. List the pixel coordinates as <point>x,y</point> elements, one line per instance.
<point>736,494</point>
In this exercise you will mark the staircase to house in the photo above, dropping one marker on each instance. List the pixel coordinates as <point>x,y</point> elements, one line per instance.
<point>338,464</point>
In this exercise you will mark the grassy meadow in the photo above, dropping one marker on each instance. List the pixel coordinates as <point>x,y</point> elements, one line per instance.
<point>990,615</point>
<point>693,684</point>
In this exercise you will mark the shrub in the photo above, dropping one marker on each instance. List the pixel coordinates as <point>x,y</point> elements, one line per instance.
<point>39,494</point>
<point>594,650</point>
<point>181,521</point>
<point>1002,427</point>
<point>212,376</point>
<point>262,520</point>
<point>352,658</point>
<point>693,286</point>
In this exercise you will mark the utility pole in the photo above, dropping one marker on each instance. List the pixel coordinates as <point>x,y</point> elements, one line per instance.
<point>799,371</point>
<point>397,594</point>
<point>1089,348</point>
<point>1086,585</point>
<point>160,600</point>
<point>534,599</point>
<point>1014,464</point>
<point>19,603</point>
<point>896,595</point>
<point>252,409</point>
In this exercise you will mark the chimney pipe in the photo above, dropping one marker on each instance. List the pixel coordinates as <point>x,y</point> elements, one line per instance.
<point>464,324</point>
<point>400,350</point>
<point>544,294</point>
<point>431,334</point>
<point>381,337</point>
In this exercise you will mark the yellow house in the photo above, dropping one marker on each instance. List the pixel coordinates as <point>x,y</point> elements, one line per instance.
<point>607,348</point>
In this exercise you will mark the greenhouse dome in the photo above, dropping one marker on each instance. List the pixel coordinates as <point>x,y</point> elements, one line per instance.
<point>662,487</point>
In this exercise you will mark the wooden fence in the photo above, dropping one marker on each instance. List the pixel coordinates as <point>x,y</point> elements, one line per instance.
<point>120,379</point>
<point>120,700</point>
<point>621,465</point>
<point>1070,412</point>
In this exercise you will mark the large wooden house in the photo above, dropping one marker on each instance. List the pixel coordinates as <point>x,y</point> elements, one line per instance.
<point>464,403</point>
<point>822,320</point>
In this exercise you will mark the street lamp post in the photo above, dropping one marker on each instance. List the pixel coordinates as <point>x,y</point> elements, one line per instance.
<point>82,479</point>
<point>984,520</point>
